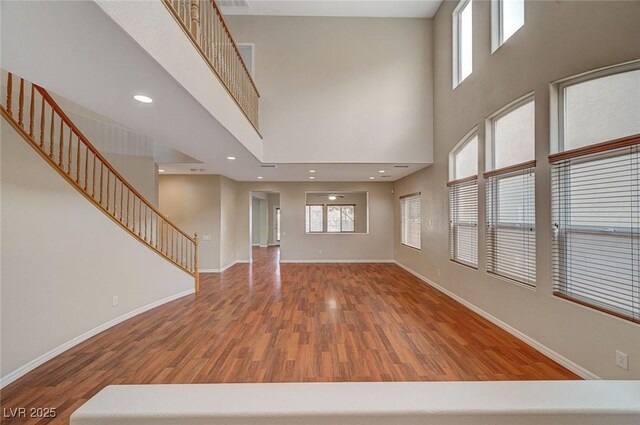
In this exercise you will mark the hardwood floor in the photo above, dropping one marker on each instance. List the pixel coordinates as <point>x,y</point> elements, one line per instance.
<point>295,322</point>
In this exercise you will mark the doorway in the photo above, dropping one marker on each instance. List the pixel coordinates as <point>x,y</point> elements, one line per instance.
<point>265,224</point>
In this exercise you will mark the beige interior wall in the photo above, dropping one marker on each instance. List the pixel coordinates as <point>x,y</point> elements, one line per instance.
<point>296,245</point>
<point>228,190</point>
<point>193,203</point>
<point>354,89</point>
<point>139,171</point>
<point>358,199</point>
<point>559,39</point>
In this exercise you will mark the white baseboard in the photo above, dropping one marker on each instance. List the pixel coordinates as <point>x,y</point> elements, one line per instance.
<point>21,371</point>
<point>574,367</point>
<point>336,261</point>
<point>233,263</point>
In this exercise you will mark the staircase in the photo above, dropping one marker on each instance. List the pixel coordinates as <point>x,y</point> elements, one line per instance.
<point>35,115</point>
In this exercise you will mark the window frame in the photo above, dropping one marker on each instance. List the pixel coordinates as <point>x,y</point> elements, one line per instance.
<point>457,148</point>
<point>456,50</point>
<point>341,215</point>
<point>584,154</point>
<point>510,170</point>
<point>490,128</point>
<point>455,182</point>
<point>497,24</point>
<point>558,101</point>
<point>405,198</point>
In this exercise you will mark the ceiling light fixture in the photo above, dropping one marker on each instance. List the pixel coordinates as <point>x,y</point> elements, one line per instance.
<point>260,177</point>
<point>332,197</point>
<point>311,178</point>
<point>142,98</point>
<point>381,171</point>
<point>372,178</point>
<point>161,170</point>
<point>231,158</point>
<point>312,171</point>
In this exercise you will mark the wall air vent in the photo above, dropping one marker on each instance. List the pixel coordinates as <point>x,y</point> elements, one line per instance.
<point>234,3</point>
<point>268,166</point>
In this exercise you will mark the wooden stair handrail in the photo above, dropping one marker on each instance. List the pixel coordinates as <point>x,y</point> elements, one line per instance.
<point>139,217</point>
<point>88,144</point>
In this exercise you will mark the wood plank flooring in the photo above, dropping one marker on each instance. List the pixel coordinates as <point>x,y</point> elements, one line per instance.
<point>267,322</point>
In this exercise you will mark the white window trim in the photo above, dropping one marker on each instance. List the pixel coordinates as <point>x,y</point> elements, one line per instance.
<point>461,144</point>
<point>456,43</point>
<point>406,198</point>
<point>557,111</point>
<point>490,154</point>
<point>497,35</point>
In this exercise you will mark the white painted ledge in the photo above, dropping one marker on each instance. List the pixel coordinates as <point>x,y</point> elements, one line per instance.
<point>392,403</point>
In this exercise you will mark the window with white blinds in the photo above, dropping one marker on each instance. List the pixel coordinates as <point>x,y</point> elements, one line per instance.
<point>596,191</point>
<point>511,231</point>
<point>463,201</point>
<point>410,220</point>
<point>510,190</point>
<point>463,222</point>
<point>314,218</point>
<point>596,228</point>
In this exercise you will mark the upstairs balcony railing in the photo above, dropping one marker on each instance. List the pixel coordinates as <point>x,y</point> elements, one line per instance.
<point>203,22</point>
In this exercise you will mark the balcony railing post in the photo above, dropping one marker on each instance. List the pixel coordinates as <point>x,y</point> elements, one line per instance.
<point>195,19</point>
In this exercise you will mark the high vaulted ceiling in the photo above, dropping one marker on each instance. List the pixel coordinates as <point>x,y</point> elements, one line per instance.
<point>355,8</point>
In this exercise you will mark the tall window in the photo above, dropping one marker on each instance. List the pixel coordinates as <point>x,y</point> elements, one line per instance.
<point>511,231</point>
<point>507,18</point>
<point>410,220</point>
<point>596,193</point>
<point>463,202</point>
<point>462,41</point>
<point>314,218</point>
<point>341,218</point>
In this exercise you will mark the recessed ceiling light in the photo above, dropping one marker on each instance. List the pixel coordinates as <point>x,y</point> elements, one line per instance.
<point>260,177</point>
<point>381,171</point>
<point>311,177</point>
<point>161,170</point>
<point>231,158</point>
<point>312,171</point>
<point>372,178</point>
<point>142,98</point>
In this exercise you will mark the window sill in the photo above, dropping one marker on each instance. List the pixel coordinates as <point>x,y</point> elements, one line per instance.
<point>512,281</point>
<point>411,247</point>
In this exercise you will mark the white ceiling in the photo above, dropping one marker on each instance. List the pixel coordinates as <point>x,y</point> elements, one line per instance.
<point>300,172</point>
<point>355,8</point>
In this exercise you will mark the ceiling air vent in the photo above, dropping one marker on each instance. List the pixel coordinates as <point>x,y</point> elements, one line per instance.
<point>400,166</point>
<point>234,3</point>
<point>268,166</point>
